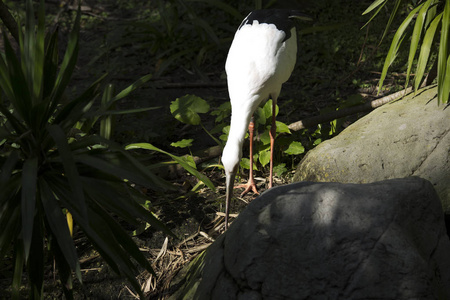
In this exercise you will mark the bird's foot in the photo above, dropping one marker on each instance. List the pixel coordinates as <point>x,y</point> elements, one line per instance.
<point>249,186</point>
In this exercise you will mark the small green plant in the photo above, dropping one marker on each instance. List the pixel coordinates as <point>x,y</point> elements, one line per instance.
<point>429,16</point>
<point>187,108</point>
<point>284,144</point>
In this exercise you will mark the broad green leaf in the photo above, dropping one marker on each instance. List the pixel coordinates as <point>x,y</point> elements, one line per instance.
<point>317,141</point>
<point>280,169</point>
<point>28,202</point>
<point>425,51</point>
<point>268,109</point>
<point>265,137</point>
<point>189,160</point>
<point>245,163</point>
<point>282,127</point>
<point>222,112</point>
<point>295,148</point>
<point>396,41</point>
<point>264,157</point>
<point>226,131</point>
<point>183,143</point>
<point>259,116</point>
<point>187,108</point>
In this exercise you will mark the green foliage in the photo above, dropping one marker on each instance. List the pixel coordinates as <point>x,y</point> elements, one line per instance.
<point>187,108</point>
<point>428,15</point>
<point>50,167</point>
<point>183,143</point>
<point>295,148</point>
<point>285,144</point>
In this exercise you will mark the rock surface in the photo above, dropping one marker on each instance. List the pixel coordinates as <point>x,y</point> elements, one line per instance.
<point>409,137</point>
<point>384,240</point>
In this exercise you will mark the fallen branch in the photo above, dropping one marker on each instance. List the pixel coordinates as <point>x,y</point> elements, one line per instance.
<point>314,121</point>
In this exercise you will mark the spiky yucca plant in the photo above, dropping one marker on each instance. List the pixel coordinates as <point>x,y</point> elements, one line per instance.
<point>47,170</point>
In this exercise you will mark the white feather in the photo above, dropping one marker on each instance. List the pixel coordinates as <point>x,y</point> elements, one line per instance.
<point>258,63</point>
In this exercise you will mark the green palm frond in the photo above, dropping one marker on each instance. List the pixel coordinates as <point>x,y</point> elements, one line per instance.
<point>45,170</point>
<point>428,17</point>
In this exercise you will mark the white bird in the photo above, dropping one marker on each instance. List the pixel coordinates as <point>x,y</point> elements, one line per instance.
<point>261,58</point>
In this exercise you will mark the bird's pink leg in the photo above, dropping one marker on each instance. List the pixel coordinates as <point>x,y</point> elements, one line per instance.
<point>272,133</point>
<point>250,185</point>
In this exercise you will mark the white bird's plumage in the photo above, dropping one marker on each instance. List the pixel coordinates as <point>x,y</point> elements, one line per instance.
<point>258,63</point>
<point>261,58</point>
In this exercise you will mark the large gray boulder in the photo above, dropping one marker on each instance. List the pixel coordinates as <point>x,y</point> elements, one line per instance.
<point>384,240</point>
<point>409,137</point>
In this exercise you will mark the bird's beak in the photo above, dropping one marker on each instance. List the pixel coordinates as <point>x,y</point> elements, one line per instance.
<point>229,186</point>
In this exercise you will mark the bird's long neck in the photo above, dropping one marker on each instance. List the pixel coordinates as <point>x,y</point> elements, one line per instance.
<point>240,119</point>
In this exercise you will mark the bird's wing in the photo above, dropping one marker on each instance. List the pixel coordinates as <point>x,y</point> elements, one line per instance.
<point>259,61</point>
<point>252,59</point>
